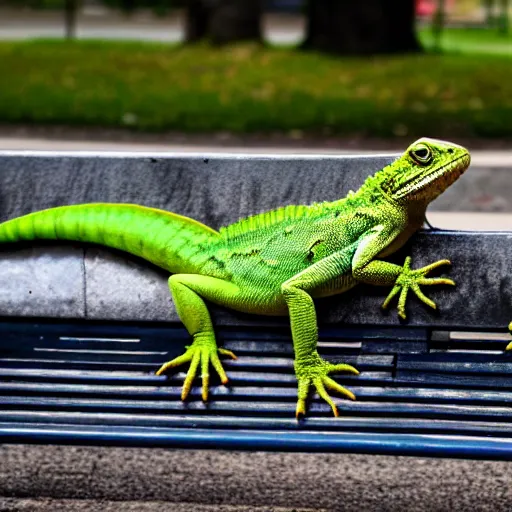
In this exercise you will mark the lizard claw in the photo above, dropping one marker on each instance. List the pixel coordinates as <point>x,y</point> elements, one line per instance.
<point>315,373</point>
<point>509,346</point>
<point>411,280</point>
<point>202,352</point>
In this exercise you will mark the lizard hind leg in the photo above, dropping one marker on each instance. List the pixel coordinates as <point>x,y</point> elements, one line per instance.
<point>187,291</point>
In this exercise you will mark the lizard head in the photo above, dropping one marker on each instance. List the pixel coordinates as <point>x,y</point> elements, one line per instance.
<point>425,170</point>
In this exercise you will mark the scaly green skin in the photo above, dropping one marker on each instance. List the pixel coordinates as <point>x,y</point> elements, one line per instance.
<point>274,263</point>
<point>509,346</point>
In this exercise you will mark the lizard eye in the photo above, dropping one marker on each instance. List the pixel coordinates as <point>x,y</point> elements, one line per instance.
<point>422,154</point>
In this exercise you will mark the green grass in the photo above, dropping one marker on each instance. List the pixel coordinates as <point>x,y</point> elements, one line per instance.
<point>153,87</point>
<point>476,41</point>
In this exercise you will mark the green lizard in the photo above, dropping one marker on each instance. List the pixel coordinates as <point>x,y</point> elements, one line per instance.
<point>273,263</point>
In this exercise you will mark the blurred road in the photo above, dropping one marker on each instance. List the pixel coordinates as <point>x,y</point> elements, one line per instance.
<point>97,23</point>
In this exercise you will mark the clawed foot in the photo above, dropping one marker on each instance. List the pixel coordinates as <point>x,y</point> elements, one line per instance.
<point>314,371</point>
<point>411,280</point>
<point>509,346</point>
<point>203,351</point>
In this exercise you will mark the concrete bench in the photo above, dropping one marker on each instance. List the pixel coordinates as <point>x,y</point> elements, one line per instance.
<point>84,328</point>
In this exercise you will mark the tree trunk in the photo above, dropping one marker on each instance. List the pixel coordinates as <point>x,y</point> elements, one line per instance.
<point>70,13</point>
<point>438,23</point>
<point>489,12</point>
<point>224,21</point>
<point>363,27</point>
<point>503,21</point>
<point>235,20</point>
<point>196,21</point>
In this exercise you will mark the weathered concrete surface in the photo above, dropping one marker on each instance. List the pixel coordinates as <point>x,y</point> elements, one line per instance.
<point>108,285</point>
<point>261,481</point>
<point>119,287</point>
<point>43,281</point>
<point>58,505</point>
<point>216,189</point>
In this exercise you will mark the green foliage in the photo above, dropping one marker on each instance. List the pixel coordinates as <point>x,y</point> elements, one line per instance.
<point>246,88</point>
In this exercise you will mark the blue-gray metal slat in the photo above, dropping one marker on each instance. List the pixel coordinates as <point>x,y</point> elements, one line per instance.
<point>460,363</point>
<point>239,378</point>
<point>155,392</point>
<point>277,440</point>
<point>342,423</point>
<point>278,406</point>
<point>57,379</point>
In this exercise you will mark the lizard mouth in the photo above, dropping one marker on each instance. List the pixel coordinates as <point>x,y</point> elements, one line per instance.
<point>436,181</point>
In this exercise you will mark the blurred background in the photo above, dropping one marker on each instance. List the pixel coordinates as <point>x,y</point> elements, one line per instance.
<point>295,76</point>
<point>324,74</point>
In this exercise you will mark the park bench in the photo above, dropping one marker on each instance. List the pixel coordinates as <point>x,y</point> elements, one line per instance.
<point>83,328</point>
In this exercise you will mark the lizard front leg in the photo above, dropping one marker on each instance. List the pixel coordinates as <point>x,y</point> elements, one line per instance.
<point>187,290</point>
<point>402,278</point>
<point>509,346</point>
<point>310,368</point>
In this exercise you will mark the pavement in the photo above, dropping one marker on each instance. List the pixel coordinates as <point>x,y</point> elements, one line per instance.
<point>98,23</point>
<point>65,478</point>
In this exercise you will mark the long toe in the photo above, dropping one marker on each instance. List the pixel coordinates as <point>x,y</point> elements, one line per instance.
<point>178,361</point>
<point>334,386</point>
<point>300,410</point>
<point>320,388</point>
<point>191,374</point>
<point>335,368</point>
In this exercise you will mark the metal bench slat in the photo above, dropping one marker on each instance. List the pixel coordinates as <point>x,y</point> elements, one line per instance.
<point>261,407</point>
<point>81,392</point>
<point>368,393</point>
<point>345,423</point>
<point>344,442</point>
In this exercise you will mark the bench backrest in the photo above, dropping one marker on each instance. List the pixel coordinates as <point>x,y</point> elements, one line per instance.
<point>70,281</point>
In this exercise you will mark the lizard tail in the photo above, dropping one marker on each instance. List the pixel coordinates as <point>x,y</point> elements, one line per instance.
<point>171,241</point>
